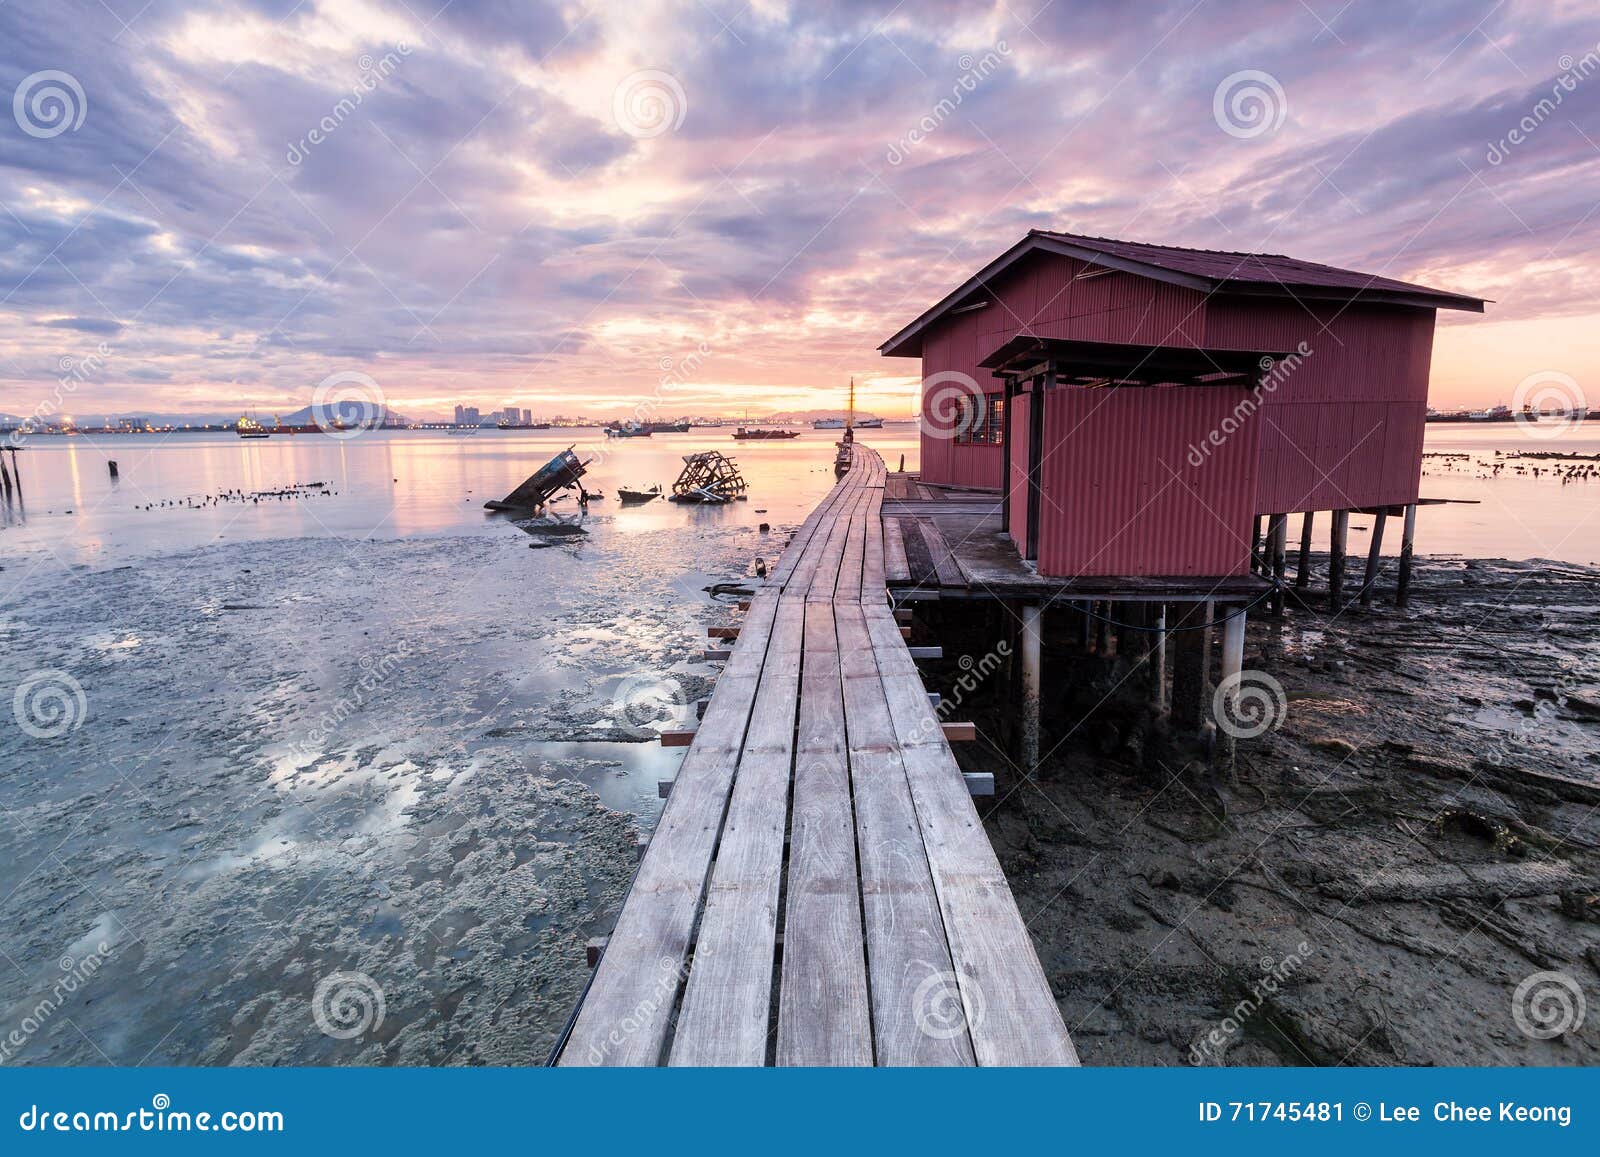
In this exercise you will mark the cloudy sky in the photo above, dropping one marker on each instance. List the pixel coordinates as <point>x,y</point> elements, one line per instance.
<point>559,204</point>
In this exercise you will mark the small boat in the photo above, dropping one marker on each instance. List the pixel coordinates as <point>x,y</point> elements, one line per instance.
<point>668,427</point>
<point>250,428</point>
<point>633,495</point>
<point>627,430</point>
<point>828,424</point>
<point>756,434</point>
<point>869,424</point>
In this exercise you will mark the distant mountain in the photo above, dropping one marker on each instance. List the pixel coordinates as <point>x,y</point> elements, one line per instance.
<point>347,412</point>
<point>793,417</point>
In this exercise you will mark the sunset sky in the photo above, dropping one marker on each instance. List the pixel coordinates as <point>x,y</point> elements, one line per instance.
<point>556,204</point>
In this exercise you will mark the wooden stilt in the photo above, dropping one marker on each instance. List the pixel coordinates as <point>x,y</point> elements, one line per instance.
<point>1408,534</point>
<point>1032,657</point>
<point>1302,575</point>
<point>1191,638</point>
<point>1373,551</point>
<point>1158,681</point>
<point>1338,537</point>
<point>1102,628</point>
<point>1232,664</point>
<point>1277,537</point>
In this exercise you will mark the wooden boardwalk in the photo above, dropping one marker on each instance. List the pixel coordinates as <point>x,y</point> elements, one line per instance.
<point>820,890</point>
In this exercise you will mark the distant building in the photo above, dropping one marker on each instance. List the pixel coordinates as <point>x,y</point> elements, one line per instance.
<point>527,417</point>
<point>461,414</point>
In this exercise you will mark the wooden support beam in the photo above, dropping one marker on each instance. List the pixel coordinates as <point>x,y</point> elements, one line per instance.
<point>905,632</point>
<point>1277,535</point>
<point>1191,660</point>
<point>1158,677</point>
<point>1232,665</point>
<point>1302,574</point>
<point>1032,658</point>
<point>722,632</point>
<point>926,652</point>
<point>905,615</point>
<point>717,655</point>
<point>1408,534</point>
<point>979,782</point>
<point>934,699</point>
<point>594,948</point>
<point>1337,540</point>
<point>1373,552</point>
<point>960,732</point>
<point>664,788</point>
<point>680,737</point>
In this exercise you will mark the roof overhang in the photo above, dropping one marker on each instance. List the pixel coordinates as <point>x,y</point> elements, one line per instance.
<point>908,341</point>
<point>1103,363</point>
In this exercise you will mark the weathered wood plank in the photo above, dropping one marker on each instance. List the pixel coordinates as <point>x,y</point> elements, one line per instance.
<point>822,1001</point>
<point>728,998</point>
<point>913,982</point>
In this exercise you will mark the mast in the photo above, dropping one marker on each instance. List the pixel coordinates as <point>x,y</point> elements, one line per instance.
<point>850,415</point>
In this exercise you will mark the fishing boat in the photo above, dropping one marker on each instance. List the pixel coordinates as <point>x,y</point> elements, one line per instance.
<point>248,427</point>
<point>633,495</point>
<point>627,430</point>
<point>668,427</point>
<point>756,434</point>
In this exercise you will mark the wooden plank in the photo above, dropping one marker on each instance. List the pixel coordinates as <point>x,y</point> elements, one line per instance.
<point>909,963</point>
<point>1011,1013</point>
<point>627,1011</point>
<point>945,563</point>
<point>822,1001</point>
<point>728,998</point>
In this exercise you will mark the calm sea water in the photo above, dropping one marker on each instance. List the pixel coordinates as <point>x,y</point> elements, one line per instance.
<point>370,759</point>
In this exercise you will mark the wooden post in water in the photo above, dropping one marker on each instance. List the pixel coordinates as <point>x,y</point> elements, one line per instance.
<point>1302,575</point>
<point>5,476</point>
<point>1191,657</point>
<point>1277,536</point>
<point>1337,539</point>
<point>1408,534</point>
<point>111,464</point>
<point>1159,675</point>
<point>1232,666</point>
<point>1371,578</point>
<point>1032,655</point>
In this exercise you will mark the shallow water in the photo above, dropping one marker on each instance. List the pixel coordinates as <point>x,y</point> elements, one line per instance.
<point>367,744</point>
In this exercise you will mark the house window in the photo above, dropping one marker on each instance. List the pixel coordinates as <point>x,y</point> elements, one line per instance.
<point>982,421</point>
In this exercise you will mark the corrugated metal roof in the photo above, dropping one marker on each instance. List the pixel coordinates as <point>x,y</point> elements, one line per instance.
<point>1211,271</point>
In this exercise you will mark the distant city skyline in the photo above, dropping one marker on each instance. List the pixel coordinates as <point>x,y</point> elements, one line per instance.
<point>229,204</point>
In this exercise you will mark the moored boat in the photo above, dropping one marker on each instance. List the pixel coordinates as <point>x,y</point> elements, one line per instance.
<point>757,434</point>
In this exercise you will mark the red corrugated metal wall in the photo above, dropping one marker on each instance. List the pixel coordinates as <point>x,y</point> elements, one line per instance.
<point>1041,296</point>
<point>1122,494</point>
<point>1344,427</point>
<point>1017,469</point>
